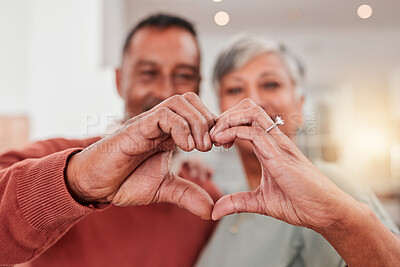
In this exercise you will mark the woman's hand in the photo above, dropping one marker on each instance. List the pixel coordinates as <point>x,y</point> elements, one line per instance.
<point>291,188</point>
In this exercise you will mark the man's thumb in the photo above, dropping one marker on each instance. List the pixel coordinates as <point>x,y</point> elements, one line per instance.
<point>187,195</point>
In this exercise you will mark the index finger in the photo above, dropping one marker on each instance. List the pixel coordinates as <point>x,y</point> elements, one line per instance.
<point>195,101</point>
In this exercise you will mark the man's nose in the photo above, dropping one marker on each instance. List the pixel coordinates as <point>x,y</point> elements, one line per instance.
<point>165,89</point>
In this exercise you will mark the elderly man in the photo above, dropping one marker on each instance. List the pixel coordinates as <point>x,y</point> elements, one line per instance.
<point>61,200</point>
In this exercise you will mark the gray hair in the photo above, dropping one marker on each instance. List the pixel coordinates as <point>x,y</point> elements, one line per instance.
<point>246,47</point>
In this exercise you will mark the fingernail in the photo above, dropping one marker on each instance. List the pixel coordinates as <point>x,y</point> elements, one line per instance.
<point>218,134</point>
<point>212,130</point>
<point>191,143</point>
<point>207,140</point>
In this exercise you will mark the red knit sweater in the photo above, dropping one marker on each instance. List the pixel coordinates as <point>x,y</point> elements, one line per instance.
<point>40,222</point>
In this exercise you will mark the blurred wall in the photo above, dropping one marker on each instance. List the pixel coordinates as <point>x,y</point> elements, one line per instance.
<point>13,56</point>
<point>51,68</point>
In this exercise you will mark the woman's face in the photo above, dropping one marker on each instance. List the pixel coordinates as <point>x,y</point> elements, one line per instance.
<point>267,81</point>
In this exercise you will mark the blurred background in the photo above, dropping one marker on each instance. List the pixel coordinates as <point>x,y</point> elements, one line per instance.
<point>57,61</point>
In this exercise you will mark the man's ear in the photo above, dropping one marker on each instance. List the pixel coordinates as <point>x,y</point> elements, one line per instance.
<point>118,81</point>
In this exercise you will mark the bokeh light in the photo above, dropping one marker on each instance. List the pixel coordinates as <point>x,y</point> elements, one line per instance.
<point>364,11</point>
<point>221,18</point>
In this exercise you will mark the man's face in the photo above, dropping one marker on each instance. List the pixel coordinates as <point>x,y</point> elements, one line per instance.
<point>158,64</point>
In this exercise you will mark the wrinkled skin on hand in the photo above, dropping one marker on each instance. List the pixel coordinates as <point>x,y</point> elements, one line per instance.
<point>291,189</point>
<point>132,166</point>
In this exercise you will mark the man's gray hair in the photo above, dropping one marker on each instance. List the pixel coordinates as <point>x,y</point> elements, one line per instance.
<point>246,47</point>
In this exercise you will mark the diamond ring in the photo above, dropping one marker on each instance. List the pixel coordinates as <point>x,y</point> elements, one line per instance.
<point>278,121</point>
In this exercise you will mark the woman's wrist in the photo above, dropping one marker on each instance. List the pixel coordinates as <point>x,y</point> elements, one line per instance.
<point>350,217</point>
<point>361,239</point>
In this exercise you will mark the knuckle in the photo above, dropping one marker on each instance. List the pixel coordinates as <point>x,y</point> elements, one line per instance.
<point>210,119</point>
<point>183,124</point>
<point>203,121</point>
<point>197,120</point>
<point>162,110</point>
<point>162,113</point>
<point>190,95</point>
<point>249,101</point>
<point>258,130</point>
<point>175,99</point>
<point>258,110</point>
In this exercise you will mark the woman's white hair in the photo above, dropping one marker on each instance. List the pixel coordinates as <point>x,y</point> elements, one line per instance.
<point>246,47</point>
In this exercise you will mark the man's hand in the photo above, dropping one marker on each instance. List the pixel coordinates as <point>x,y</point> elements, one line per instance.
<point>153,182</point>
<point>291,188</point>
<point>131,166</point>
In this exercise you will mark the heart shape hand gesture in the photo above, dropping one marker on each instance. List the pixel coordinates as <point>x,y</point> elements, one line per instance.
<point>132,166</point>
<point>291,189</point>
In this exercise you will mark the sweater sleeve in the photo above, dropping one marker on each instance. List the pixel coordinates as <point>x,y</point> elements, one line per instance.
<point>36,208</point>
<point>41,149</point>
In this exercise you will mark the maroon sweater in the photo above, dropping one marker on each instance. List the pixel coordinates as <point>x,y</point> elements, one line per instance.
<point>40,222</point>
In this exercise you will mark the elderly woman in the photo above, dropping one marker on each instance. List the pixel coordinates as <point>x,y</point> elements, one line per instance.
<point>257,80</point>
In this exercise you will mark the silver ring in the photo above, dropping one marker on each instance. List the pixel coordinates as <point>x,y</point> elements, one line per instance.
<point>278,121</point>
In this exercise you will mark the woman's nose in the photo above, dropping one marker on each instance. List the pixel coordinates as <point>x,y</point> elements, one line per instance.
<point>254,95</point>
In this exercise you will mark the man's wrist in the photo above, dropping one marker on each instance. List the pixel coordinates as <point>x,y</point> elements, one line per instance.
<point>70,176</point>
